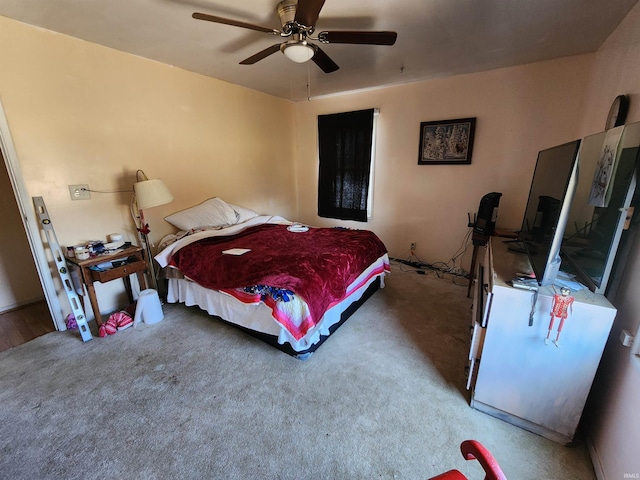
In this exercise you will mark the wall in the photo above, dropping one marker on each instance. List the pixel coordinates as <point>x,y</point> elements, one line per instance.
<point>80,113</point>
<point>18,274</point>
<point>519,111</point>
<point>613,416</point>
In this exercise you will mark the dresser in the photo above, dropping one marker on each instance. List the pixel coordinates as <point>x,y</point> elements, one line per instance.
<point>513,373</point>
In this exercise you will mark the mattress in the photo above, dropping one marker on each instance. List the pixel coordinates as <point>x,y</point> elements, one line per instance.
<point>258,317</point>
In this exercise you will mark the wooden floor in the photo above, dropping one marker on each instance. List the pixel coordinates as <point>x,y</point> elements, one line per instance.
<point>24,324</point>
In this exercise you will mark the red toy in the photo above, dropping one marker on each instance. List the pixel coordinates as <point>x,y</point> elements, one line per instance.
<point>561,306</point>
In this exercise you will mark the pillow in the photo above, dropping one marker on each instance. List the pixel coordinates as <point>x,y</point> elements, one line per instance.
<point>243,214</point>
<point>210,213</point>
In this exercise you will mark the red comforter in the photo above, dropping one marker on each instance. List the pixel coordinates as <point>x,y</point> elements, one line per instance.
<point>317,265</point>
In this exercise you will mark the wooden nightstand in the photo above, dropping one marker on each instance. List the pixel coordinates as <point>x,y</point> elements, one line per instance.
<point>135,263</point>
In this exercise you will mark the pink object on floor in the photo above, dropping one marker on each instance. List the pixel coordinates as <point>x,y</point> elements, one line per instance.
<point>117,321</point>
<point>110,326</point>
<point>123,320</point>
<point>71,322</point>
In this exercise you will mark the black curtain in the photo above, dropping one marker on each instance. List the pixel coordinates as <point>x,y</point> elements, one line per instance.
<point>344,142</point>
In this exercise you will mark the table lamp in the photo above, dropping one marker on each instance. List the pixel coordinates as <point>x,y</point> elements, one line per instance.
<point>149,194</point>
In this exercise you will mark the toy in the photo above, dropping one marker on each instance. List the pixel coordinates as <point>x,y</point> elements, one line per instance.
<point>71,322</point>
<point>562,303</point>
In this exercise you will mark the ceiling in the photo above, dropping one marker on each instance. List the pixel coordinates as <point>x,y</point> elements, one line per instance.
<point>436,38</point>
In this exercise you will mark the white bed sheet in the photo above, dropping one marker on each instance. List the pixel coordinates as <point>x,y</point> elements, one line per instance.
<point>164,256</point>
<point>258,317</point>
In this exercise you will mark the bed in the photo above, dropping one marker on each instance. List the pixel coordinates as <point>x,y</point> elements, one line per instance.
<point>285,283</point>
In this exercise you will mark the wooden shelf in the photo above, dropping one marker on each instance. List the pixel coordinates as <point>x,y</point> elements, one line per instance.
<point>135,263</point>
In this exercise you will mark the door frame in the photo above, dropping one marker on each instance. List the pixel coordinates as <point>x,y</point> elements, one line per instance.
<point>29,221</point>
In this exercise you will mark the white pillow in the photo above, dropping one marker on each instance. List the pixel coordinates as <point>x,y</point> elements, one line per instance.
<point>242,213</point>
<point>210,213</point>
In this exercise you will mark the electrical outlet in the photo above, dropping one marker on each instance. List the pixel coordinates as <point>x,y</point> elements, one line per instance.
<point>413,246</point>
<point>79,192</point>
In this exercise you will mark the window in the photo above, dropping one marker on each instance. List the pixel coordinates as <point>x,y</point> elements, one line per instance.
<point>346,146</point>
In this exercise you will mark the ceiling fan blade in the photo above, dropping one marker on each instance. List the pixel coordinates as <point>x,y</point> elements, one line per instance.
<point>308,11</point>
<point>235,23</point>
<point>260,55</point>
<point>366,38</point>
<point>323,61</point>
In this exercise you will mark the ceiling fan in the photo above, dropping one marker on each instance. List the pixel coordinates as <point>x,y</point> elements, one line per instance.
<point>298,18</point>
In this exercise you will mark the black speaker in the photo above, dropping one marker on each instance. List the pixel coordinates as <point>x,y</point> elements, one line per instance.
<point>546,219</point>
<point>485,223</point>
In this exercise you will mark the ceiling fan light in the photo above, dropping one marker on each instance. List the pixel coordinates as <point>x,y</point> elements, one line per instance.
<point>299,52</point>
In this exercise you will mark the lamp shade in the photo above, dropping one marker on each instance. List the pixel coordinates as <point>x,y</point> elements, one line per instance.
<point>298,52</point>
<point>151,193</point>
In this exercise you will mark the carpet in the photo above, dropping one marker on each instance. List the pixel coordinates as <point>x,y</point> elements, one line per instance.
<point>192,397</point>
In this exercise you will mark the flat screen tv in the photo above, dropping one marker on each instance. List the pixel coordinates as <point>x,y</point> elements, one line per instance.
<point>594,233</point>
<point>545,218</point>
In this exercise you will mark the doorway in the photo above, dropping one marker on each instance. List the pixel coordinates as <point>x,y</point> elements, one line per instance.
<point>24,238</point>
<point>24,313</point>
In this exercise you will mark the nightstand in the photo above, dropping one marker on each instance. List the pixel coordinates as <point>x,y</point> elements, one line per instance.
<point>132,260</point>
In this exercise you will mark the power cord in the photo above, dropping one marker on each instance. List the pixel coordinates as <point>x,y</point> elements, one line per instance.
<point>105,191</point>
<point>439,268</point>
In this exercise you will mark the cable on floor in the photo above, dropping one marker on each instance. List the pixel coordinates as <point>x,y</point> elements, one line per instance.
<point>418,266</point>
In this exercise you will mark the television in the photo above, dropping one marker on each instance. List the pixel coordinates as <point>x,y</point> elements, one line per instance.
<point>547,211</point>
<point>594,233</point>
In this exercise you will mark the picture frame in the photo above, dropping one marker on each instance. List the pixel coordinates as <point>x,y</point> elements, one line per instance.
<point>446,142</point>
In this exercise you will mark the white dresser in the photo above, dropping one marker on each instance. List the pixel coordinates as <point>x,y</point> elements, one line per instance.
<point>513,374</point>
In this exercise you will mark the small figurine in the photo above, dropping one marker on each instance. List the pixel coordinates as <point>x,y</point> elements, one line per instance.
<point>561,306</point>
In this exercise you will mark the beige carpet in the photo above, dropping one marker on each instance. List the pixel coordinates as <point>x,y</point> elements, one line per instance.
<point>191,397</point>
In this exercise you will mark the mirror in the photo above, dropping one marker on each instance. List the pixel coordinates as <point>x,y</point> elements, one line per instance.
<point>593,232</point>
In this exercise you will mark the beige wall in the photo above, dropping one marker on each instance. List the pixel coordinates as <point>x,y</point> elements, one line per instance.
<point>614,414</point>
<point>82,113</point>
<point>519,111</point>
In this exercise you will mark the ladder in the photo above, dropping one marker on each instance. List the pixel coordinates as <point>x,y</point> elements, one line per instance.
<point>63,270</point>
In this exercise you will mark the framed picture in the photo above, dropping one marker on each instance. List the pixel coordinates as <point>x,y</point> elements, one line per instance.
<point>446,142</point>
